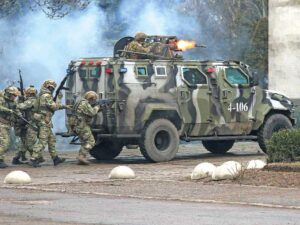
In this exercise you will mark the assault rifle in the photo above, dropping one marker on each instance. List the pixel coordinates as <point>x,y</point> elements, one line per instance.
<point>70,72</point>
<point>106,103</point>
<point>25,121</point>
<point>171,41</point>
<point>22,97</point>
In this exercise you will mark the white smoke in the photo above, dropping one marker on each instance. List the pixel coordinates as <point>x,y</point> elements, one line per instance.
<point>43,47</point>
<point>161,18</point>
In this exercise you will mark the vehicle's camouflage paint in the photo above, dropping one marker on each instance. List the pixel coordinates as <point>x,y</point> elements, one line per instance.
<point>159,89</point>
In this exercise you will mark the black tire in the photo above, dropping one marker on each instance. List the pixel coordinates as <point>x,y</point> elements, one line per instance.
<point>272,124</point>
<point>218,147</point>
<point>106,150</point>
<point>160,141</point>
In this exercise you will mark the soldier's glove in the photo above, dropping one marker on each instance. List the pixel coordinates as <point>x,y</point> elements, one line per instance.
<point>65,106</point>
<point>19,114</point>
<point>98,108</point>
<point>68,107</point>
<point>60,95</point>
<point>10,111</point>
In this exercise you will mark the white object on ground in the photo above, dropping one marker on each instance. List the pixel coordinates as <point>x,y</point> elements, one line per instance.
<point>256,164</point>
<point>17,177</point>
<point>233,165</point>
<point>202,170</point>
<point>121,172</point>
<point>228,170</point>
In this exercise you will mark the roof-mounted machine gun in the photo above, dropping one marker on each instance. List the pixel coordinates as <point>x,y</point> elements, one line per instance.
<point>162,47</point>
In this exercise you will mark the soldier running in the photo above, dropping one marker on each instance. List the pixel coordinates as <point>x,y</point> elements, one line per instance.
<point>28,135</point>
<point>45,108</point>
<point>7,119</point>
<point>85,111</point>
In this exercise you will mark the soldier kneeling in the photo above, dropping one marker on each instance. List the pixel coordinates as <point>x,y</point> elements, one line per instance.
<point>84,112</point>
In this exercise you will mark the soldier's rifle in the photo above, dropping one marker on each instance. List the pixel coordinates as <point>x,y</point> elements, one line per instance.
<point>105,103</point>
<point>171,41</point>
<point>70,72</point>
<point>22,97</point>
<point>25,121</point>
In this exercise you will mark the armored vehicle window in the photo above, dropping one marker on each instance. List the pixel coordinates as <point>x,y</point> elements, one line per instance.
<point>160,71</point>
<point>142,71</point>
<point>193,76</point>
<point>95,72</point>
<point>235,76</point>
<point>82,73</point>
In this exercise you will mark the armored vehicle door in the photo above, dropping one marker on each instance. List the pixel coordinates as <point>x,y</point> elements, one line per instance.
<point>194,100</point>
<point>236,98</point>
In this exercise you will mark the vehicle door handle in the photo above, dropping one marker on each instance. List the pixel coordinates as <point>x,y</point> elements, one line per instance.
<point>225,93</point>
<point>185,96</point>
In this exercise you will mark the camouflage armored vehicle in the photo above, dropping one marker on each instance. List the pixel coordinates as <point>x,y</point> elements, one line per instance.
<point>155,103</point>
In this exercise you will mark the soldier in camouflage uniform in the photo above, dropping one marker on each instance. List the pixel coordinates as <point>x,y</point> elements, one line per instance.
<point>28,134</point>
<point>137,45</point>
<point>45,108</point>
<point>7,119</point>
<point>85,111</point>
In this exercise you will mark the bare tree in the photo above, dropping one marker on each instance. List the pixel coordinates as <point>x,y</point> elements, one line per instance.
<point>59,8</point>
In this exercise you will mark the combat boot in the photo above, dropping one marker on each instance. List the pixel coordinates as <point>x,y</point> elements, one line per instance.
<point>23,157</point>
<point>16,160</point>
<point>2,164</point>
<point>41,159</point>
<point>57,160</point>
<point>82,160</point>
<point>34,163</point>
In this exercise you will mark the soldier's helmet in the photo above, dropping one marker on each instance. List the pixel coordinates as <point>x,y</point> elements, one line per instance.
<point>49,84</point>
<point>140,36</point>
<point>31,90</point>
<point>12,91</point>
<point>90,96</point>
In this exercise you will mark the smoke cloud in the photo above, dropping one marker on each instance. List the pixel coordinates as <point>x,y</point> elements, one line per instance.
<point>42,48</point>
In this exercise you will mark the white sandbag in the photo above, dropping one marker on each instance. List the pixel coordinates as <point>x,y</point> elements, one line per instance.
<point>17,177</point>
<point>256,164</point>
<point>233,166</point>
<point>228,170</point>
<point>121,172</point>
<point>203,170</point>
<point>224,172</point>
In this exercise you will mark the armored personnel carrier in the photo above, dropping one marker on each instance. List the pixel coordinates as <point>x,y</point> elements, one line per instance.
<point>156,102</point>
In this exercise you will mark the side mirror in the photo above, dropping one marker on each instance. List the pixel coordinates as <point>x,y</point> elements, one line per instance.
<point>213,80</point>
<point>254,79</point>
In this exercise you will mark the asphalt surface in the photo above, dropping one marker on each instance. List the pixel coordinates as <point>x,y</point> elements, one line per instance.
<point>162,193</point>
<point>86,209</point>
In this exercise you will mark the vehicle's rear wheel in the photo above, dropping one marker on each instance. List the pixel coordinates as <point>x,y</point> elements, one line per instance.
<point>218,147</point>
<point>106,150</point>
<point>160,141</point>
<point>272,124</point>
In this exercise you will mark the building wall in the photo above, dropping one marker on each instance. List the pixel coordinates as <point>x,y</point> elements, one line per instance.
<point>284,47</point>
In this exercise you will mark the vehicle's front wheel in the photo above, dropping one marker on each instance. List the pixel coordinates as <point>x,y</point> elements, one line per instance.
<point>218,147</point>
<point>272,124</point>
<point>106,150</point>
<point>160,141</point>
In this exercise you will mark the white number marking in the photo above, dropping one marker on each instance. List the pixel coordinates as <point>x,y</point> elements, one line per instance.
<point>239,107</point>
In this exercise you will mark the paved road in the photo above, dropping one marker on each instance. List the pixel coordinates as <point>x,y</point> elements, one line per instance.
<point>162,193</point>
<point>60,208</point>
